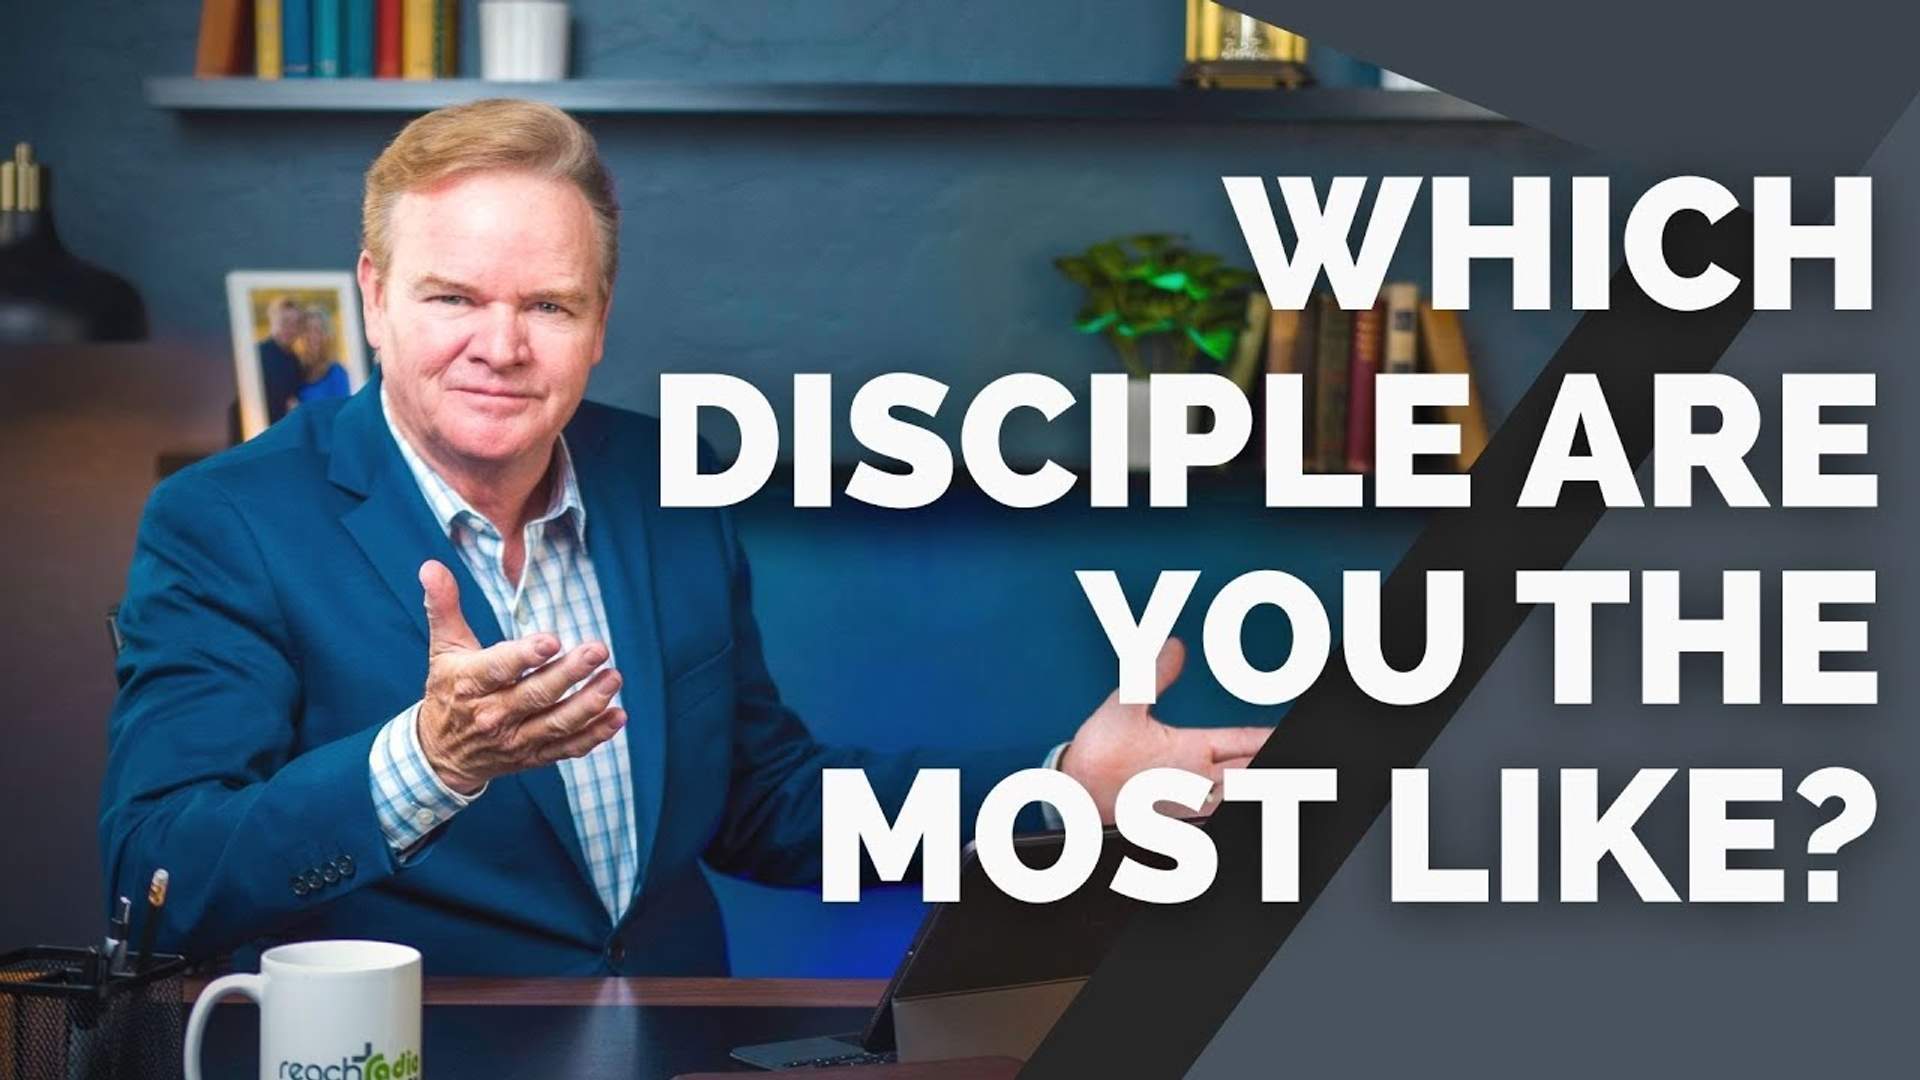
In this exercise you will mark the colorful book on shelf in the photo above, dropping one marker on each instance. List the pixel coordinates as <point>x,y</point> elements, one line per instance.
<point>1306,345</point>
<point>329,19</point>
<point>386,39</point>
<point>1279,357</point>
<point>226,39</point>
<point>416,37</point>
<point>1445,345</point>
<point>1364,364</point>
<point>446,39</point>
<point>296,39</point>
<point>266,39</point>
<point>356,48</point>
<point>1333,337</point>
<point>1283,340</point>
<point>1243,364</point>
<point>1400,352</point>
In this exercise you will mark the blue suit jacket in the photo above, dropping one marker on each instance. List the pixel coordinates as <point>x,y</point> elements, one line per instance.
<point>273,622</point>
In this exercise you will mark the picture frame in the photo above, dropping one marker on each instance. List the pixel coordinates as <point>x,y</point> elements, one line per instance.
<point>296,339</point>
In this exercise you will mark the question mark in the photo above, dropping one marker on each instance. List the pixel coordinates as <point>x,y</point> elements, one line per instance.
<point>1859,805</point>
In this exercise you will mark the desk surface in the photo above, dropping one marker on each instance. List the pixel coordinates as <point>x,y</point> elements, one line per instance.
<point>548,1029</point>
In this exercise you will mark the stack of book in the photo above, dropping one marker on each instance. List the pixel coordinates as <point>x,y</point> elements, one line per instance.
<point>1337,353</point>
<point>328,39</point>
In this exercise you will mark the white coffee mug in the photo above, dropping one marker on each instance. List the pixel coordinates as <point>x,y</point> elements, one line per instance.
<point>523,40</point>
<point>329,1010</point>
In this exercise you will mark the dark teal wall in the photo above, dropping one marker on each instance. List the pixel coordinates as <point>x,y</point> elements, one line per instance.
<point>762,247</point>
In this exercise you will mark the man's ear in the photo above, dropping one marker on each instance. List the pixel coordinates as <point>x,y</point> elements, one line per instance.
<point>373,301</point>
<point>600,337</point>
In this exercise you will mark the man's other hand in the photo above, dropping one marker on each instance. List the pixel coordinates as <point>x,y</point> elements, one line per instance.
<point>1118,741</point>
<point>493,711</point>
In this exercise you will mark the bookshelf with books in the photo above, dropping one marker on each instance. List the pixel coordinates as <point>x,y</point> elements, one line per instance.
<point>403,56</point>
<point>268,41</point>
<point>336,56</point>
<point>1338,353</point>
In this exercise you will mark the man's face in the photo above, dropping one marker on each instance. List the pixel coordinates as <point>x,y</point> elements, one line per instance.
<point>489,317</point>
<point>285,325</point>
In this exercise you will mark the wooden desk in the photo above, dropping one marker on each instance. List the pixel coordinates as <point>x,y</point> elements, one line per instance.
<point>558,1029</point>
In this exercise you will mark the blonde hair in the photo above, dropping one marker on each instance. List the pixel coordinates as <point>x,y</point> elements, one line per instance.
<point>495,133</point>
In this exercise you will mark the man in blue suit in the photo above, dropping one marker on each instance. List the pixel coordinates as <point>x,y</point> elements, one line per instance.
<point>433,665</point>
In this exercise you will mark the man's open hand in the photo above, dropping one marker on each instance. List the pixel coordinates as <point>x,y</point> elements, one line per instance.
<point>489,712</point>
<point>1118,741</point>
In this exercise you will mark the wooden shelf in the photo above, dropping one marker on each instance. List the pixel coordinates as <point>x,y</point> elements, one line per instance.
<point>626,97</point>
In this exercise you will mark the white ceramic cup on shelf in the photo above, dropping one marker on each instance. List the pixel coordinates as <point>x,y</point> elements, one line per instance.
<point>327,1009</point>
<point>523,40</point>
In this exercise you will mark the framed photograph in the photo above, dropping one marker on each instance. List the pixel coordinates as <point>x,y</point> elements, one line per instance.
<point>296,339</point>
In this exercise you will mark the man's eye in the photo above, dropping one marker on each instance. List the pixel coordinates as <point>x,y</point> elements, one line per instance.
<point>449,298</point>
<point>548,307</point>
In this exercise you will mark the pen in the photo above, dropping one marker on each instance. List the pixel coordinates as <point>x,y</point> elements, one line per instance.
<point>156,899</point>
<point>113,955</point>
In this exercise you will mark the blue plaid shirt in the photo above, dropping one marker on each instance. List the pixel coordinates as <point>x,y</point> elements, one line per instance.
<point>557,593</point>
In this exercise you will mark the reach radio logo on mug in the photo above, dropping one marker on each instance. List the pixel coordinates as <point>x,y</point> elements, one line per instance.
<point>365,1065</point>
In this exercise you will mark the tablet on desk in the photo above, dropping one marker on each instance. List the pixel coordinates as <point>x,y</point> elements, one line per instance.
<point>987,975</point>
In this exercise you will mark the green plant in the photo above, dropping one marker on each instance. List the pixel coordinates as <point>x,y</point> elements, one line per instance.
<point>1150,295</point>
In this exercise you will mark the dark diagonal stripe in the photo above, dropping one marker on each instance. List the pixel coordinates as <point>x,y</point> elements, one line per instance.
<point>1177,972</point>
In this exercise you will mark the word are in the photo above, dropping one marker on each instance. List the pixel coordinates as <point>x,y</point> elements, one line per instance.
<point>1705,426</point>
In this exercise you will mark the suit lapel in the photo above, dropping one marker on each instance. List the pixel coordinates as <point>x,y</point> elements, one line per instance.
<point>397,532</point>
<point>617,542</point>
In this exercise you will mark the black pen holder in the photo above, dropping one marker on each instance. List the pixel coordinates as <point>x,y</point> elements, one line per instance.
<point>60,1021</point>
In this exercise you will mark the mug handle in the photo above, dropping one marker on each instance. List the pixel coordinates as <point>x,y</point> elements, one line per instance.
<point>247,986</point>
